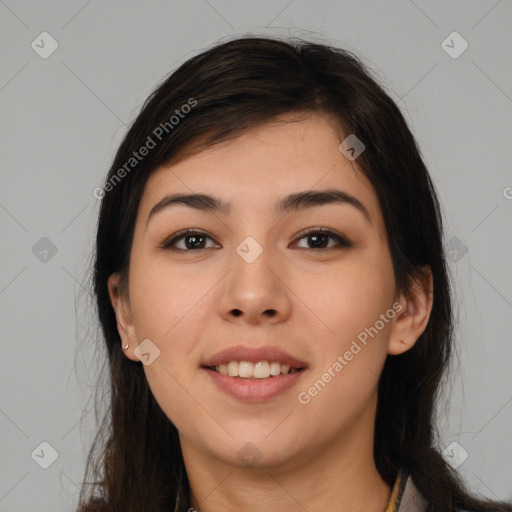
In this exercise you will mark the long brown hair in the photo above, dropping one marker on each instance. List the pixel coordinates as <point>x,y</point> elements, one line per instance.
<point>135,463</point>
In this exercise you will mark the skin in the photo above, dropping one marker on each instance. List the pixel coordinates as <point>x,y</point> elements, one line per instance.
<point>316,456</point>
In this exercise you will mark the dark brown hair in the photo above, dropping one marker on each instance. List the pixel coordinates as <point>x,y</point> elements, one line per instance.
<point>136,463</point>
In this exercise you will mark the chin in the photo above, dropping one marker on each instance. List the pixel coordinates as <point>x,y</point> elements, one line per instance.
<point>259,453</point>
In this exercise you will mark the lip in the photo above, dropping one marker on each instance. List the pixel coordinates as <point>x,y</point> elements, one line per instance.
<point>253,355</point>
<point>254,390</point>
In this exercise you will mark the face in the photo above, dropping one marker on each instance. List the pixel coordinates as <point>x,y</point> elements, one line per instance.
<point>310,284</point>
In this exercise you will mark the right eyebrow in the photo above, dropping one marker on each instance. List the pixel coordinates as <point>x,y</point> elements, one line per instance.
<point>202,202</point>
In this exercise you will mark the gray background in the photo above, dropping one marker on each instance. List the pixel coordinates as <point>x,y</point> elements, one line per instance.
<point>63,117</point>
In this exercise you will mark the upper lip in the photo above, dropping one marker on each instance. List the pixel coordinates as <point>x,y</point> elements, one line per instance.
<point>253,355</point>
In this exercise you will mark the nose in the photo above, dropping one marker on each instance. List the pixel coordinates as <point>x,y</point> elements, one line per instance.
<point>255,292</point>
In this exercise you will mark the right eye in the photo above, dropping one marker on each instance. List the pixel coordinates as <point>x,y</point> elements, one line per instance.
<point>193,240</point>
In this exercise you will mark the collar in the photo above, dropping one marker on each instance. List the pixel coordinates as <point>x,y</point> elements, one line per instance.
<point>405,496</point>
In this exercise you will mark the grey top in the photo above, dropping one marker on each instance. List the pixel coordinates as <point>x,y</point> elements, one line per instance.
<point>411,500</point>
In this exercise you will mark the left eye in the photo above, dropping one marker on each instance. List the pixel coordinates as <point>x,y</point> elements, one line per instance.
<point>319,237</point>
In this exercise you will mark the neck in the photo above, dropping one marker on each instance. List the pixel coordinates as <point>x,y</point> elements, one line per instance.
<point>340,475</point>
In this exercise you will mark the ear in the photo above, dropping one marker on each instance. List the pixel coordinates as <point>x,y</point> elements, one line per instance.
<point>413,317</point>
<point>121,304</point>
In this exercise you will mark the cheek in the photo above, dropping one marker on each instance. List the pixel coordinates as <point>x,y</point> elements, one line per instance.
<point>351,352</point>
<point>165,301</point>
<point>347,297</point>
<point>163,297</point>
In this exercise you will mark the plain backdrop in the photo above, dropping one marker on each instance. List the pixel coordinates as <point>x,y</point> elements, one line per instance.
<point>74,75</point>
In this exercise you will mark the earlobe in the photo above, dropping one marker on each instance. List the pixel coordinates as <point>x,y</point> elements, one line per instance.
<point>121,307</point>
<point>413,318</point>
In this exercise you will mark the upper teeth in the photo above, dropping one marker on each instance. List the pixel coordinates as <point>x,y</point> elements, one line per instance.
<point>259,370</point>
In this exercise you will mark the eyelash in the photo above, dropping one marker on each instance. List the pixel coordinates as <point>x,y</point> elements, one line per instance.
<point>341,240</point>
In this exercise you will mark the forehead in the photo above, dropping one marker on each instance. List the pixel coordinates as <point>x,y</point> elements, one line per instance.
<point>262,165</point>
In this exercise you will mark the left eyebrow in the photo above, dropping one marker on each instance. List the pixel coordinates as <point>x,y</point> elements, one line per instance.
<point>311,198</point>
<point>293,202</point>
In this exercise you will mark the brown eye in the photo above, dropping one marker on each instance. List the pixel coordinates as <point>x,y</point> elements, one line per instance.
<point>193,240</point>
<point>319,239</point>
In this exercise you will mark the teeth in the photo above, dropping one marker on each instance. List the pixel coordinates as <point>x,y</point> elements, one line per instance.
<point>275,368</point>
<point>245,369</point>
<point>259,370</point>
<point>232,369</point>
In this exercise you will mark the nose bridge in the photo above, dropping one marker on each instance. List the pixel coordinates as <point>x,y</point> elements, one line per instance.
<point>251,261</point>
<point>250,250</point>
<point>255,234</point>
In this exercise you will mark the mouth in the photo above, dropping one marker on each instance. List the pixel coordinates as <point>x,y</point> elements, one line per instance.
<point>252,374</point>
<point>248,370</point>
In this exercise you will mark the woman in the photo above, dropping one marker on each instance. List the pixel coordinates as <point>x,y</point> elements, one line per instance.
<point>272,287</point>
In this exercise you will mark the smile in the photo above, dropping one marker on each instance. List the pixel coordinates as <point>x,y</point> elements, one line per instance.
<point>258,370</point>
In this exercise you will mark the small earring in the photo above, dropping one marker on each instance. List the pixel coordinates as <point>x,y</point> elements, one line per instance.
<point>403,342</point>
<point>125,347</point>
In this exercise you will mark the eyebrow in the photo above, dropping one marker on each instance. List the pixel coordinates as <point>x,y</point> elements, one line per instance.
<point>293,202</point>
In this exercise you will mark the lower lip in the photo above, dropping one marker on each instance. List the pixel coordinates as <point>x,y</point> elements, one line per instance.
<point>254,390</point>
